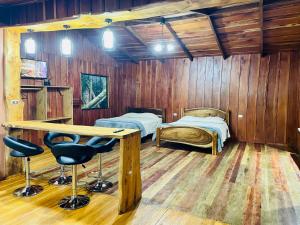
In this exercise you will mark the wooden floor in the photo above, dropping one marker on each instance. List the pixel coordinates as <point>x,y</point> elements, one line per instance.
<point>247,184</point>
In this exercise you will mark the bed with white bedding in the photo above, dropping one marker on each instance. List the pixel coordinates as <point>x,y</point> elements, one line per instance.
<point>145,119</point>
<point>201,127</point>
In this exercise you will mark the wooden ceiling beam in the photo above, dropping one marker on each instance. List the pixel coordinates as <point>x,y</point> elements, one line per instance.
<point>90,36</point>
<point>134,35</point>
<point>179,41</point>
<point>127,54</point>
<point>261,17</point>
<point>230,9</point>
<point>117,12</point>
<point>217,38</point>
<point>111,55</point>
<point>279,3</point>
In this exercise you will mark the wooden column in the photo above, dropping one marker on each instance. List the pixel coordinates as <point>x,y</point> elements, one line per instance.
<point>2,105</point>
<point>12,96</point>
<point>130,182</point>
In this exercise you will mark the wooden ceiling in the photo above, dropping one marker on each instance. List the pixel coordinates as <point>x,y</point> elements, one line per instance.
<point>219,27</point>
<point>249,28</point>
<point>15,2</point>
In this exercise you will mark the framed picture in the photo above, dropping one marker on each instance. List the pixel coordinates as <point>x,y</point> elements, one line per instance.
<point>94,91</point>
<point>33,69</point>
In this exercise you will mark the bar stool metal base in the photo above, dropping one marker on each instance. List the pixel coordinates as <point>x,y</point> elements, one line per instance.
<point>99,186</point>
<point>28,191</point>
<point>61,180</point>
<point>72,203</point>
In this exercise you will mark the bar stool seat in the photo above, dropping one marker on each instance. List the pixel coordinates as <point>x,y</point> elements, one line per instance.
<point>100,145</point>
<point>73,154</point>
<point>24,149</point>
<point>49,140</point>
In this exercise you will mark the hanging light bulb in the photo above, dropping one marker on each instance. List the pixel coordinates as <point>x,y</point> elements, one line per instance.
<point>170,47</point>
<point>108,37</point>
<point>158,47</point>
<point>30,45</point>
<point>66,44</point>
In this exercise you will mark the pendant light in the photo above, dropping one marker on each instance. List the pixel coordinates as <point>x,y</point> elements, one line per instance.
<point>161,47</point>
<point>108,37</point>
<point>30,45</point>
<point>170,47</point>
<point>66,44</point>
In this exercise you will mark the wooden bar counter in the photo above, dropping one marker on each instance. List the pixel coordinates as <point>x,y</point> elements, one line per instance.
<point>130,184</point>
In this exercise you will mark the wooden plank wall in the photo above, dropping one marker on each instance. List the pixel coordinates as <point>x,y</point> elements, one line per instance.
<point>63,71</point>
<point>2,104</point>
<point>264,91</point>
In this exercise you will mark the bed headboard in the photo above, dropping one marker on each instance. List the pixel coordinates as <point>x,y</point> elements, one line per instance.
<point>159,112</point>
<point>205,112</point>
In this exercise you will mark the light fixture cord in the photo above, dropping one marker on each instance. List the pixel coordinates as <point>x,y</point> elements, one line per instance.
<point>66,32</point>
<point>162,32</point>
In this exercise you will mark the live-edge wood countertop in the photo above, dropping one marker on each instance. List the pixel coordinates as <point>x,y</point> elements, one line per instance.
<point>70,129</point>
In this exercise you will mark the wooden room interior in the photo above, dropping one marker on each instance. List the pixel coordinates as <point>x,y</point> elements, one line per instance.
<point>162,111</point>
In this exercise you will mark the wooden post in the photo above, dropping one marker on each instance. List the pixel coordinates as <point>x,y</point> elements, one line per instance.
<point>158,137</point>
<point>2,105</point>
<point>215,143</point>
<point>12,95</point>
<point>130,183</point>
<point>12,81</point>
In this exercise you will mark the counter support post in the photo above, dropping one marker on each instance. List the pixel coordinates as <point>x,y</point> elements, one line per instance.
<point>130,183</point>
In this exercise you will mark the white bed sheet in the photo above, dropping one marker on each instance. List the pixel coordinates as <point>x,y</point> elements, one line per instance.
<point>150,121</point>
<point>211,122</point>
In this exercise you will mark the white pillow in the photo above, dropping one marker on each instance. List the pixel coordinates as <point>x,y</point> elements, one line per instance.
<point>141,115</point>
<point>130,115</point>
<point>214,119</point>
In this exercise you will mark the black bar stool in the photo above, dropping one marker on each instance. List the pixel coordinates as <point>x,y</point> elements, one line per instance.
<point>49,140</point>
<point>100,145</point>
<point>24,149</point>
<point>73,154</point>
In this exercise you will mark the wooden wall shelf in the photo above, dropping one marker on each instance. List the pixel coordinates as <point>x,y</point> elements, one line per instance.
<point>42,105</point>
<point>57,119</point>
<point>39,87</point>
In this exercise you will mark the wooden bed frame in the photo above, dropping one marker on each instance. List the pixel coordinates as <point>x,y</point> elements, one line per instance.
<point>194,136</point>
<point>159,112</point>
